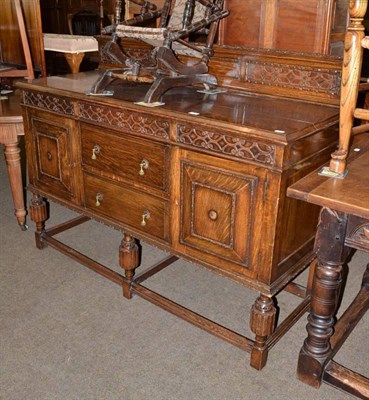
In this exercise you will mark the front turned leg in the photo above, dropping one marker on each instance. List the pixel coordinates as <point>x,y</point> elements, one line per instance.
<point>129,260</point>
<point>329,247</point>
<point>38,212</point>
<point>262,323</point>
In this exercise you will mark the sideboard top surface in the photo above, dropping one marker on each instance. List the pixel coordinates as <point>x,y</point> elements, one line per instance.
<point>277,118</point>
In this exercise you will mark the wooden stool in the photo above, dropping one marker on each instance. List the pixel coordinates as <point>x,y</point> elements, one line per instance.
<point>74,47</point>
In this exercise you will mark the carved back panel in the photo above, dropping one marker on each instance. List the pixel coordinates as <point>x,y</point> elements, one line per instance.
<point>314,26</point>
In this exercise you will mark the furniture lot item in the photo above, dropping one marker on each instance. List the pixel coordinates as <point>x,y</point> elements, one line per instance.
<point>73,47</point>
<point>343,193</point>
<point>178,19</point>
<point>344,223</point>
<point>13,71</point>
<point>11,126</point>
<point>203,177</point>
<point>355,42</point>
<point>21,44</point>
<point>278,24</point>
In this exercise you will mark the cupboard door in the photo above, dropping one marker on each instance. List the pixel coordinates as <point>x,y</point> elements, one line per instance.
<point>56,169</point>
<point>221,213</point>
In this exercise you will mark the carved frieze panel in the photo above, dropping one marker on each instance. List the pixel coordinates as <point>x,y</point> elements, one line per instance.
<point>227,144</point>
<point>137,123</point>
<point>49,102</point>
<point>292,76</point>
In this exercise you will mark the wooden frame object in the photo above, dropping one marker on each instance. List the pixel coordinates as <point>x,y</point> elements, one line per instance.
<point>343,195</point>
<point>355,42</point>
<point>343,224</point>
<point>11,127</point>
<point>210,189</point>
<point>15,72</point>
<point>24,44</point>
<point>283,24</point>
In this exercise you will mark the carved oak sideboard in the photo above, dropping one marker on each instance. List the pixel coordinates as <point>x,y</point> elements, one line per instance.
<point>204,177</point>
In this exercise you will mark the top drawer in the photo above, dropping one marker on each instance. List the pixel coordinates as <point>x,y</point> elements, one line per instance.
<point>115,157</point>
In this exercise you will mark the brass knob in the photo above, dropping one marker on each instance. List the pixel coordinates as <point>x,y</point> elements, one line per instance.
<point>95,150</point>
<point>145,216</point>
<point>144,164</point>
<point>213,215</point>
<point>49,156</point>
<point>99,199</point>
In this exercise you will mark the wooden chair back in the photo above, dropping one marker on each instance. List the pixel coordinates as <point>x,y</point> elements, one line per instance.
<point>355,42</point>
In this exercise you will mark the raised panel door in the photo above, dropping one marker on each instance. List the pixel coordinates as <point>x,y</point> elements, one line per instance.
<point>55,166</point>
<point>221,212</point>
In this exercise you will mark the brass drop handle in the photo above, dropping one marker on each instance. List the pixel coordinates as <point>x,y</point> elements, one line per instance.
<point>145,216</point>
<point>99,199</point>
<point>213,215</point>
<point>144,164</point>
<point>95,150</point>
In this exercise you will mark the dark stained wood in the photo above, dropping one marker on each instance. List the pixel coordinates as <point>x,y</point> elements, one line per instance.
<point>343,378</point>
<point>196,319</point>
<point>88,262</point>
<point>343,223</point>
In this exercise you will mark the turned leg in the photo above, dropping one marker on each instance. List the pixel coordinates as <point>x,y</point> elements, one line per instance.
<point>262,323</point>
<point>329,247</point>
<point>38,212</point>
<point>129,260</point>
<point>13,161</point>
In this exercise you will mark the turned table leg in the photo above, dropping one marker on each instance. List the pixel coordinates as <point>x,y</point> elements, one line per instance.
<point>13,162</point>
<point>329,247</point>
<point>262,323</point>
<point>129,260</point>
<point>38,212</point>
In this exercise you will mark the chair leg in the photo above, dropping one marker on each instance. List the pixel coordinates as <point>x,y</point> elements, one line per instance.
<point>103,81</point>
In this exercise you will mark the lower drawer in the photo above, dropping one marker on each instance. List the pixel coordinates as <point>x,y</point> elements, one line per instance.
<point>138,210</point>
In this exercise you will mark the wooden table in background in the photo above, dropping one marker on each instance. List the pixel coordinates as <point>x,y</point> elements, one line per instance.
<point>11,126</point>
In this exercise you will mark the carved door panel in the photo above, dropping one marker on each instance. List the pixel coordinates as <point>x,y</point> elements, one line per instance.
<point>54,142</point>
<point>221,212</point>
